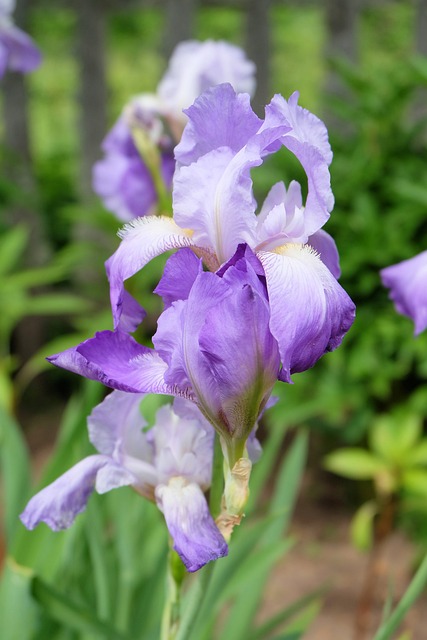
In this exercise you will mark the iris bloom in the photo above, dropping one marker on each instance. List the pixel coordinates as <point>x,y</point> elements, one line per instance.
<point>407,282</point>
<point>17,50</point>
<point>213,346</point>
<point>171,465</point>
<point>215,211</point>
<point>135,175</point>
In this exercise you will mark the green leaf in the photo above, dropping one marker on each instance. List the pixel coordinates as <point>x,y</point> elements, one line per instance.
<point>362,526</point>
<point>354,463</point>
<point>12,246</point>
<point>415,481</point>
<point>413,592</point>
<point>60,608</point>
<point>418,455</point>
<point>56,303</point>
<point>393,436</point>
<point>15,467</point>
<point>19,612</point>
<point>271,625</point>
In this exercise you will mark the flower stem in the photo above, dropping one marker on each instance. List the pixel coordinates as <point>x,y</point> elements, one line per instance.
<point>171,612</point>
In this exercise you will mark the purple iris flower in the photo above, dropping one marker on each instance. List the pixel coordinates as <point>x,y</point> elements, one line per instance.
<point>407,282</point>
<point>215,211</point>
<point>213,346</point>
<point>17,50</point>
<point>138,151</point>
<point>171,464</point>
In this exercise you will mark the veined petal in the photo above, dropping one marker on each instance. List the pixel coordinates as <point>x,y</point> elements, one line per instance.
<point>218,118</point>
<point>196,537</point>
<point>126,365</point>
<point>142,240</point>
<point>178,277</point>
<point>407,283</point>
<point>60,502</point>
<point>325,246</point>
<point>310,312</point>
<point>239,324</point>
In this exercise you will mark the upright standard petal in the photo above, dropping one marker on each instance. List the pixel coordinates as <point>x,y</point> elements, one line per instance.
<point>142,240</point>
<point>310,312</point>
<point>59,503</point>
<point>218,118</point>
<point>307,139</point>
<point>196,66</point>
<point>196,537</point>
<point>407,282</point>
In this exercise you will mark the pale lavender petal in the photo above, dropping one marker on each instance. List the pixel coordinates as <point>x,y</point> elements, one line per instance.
<point>407,282</point>
<point>132,314</point>
<point>182,445</point>
<point>325,246</point>
<point>142,240</point>
<point>218,118</point>
<point>196,66</point>
<point>310,312</point>
<point>18,51</point>
<point>213,196</point>
<point>178,277</point>
<point>196,537</point>
<point>113,419</point>
<point>113,476</point>
<point>60,502</point>
<point>308,140</point>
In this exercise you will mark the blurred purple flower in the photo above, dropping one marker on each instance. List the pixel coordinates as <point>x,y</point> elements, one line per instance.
<point>407,282</point>
<point>171,464</point>
<point>214,212</point>
<point>17,50</point>
<point>140,145</point>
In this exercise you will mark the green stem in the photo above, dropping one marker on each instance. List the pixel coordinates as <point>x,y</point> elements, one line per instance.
<point>171,612</point>
<point>195,600</point>
<point>217,484</point>
<point>414,590</point>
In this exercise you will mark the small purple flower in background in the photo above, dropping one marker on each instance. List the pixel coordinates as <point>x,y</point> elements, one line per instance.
<point>171,464</point>
<point>135,176</point>
<point>17,50</point>
<point>407,282</point>
<point>215,211</point>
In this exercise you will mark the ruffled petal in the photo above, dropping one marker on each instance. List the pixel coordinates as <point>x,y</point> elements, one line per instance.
<point>142,240</point>
<point>407,282</point>
<point>308,141</point>
<point>325,246</point>
<point>60,502</point>
<point>310,312</point>
<point>218,118</point>
<point>196,537</point>
<point>213,196</point>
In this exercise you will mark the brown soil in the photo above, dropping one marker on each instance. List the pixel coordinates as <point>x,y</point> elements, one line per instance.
<point>324,558</point>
